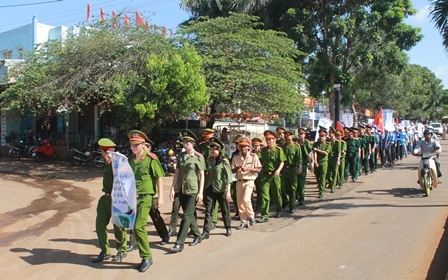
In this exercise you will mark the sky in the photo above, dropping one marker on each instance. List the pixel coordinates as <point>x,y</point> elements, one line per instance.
<point>429,52</point>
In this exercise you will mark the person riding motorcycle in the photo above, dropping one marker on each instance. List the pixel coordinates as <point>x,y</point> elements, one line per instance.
<point>428,145</point>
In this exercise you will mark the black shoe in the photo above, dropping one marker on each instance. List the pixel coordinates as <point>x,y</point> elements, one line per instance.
<point>101,257</point>
<point>119,257</point>
<point>292,210</point>
<point>340,187</point>
<point>131,248</point>
<point>321,196</point>
<point>252,222</point>
<point>228,232</point>
<point>263,220</point>
<point>177,248</point>
<point>191,233</point>
<point>205,235</point>
<point>279,215</point>
<point>196,241</point>
<point>332,191</point>
<point>213,226</point>
<point>171,233</point>
<point>236,217</point>
<point>301,202</point>
<point>145,264</point>
<point>241,226</point>
<point>286,203</point>
<point>165,240</point>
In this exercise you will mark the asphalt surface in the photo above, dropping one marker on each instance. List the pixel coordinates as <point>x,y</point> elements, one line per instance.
<point>381,227</point>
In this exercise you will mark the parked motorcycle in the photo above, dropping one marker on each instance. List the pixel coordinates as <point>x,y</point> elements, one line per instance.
<point>46,150</point>
<point>166,158</point>
<point>25,147</point>
<point>79,156</point>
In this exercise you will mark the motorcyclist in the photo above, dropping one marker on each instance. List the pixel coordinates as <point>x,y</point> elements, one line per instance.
<point>429,145</point>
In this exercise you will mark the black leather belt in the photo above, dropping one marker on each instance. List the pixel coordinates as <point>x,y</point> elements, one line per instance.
<point>245,180</point>
<point>143,195</point>
<point>107,194</point>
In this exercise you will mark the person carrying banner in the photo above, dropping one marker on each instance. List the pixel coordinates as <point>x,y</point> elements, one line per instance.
<point>104,207</point>
<point>148,175</point>
<point>188,182</point>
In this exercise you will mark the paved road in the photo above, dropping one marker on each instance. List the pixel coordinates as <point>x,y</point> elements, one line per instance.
<point>379,228</point>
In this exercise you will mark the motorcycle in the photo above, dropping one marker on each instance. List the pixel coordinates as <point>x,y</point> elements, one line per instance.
<point>46,150</point>
<point>79,157</point>
<point>166,158</point>
<point>24,148</point>
<point>428,172</point>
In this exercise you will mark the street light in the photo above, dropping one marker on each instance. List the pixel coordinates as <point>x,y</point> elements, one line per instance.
<point>337,88</point>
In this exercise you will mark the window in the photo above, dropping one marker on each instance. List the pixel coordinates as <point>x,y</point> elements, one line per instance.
<point>7,54</point>
<point>20,50</point>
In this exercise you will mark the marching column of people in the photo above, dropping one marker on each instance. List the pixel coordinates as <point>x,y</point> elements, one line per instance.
<point>275,174</point>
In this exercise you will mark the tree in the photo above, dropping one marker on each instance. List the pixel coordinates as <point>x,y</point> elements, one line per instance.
<point>439,15</point>
<point>341,36</point>
<point>130,68</point>
<point>223,8</point>
<point>246,68</point>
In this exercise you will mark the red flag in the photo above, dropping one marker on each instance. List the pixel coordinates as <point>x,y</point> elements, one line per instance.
<point>101,14</point>
<point>138,19</point>
<point>126,20</point>
<point>114,19</point>
<point>378,121</point>
<point>89,7</point>
<point>340,128</point>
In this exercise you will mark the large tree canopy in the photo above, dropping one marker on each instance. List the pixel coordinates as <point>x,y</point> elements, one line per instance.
<point>246,68</point>
<point>130,68</point>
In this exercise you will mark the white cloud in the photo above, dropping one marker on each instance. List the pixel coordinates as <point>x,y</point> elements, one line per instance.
<point>422,15</point>
<point>440,71</point>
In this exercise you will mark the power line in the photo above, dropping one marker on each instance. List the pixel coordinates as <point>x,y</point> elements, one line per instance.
<point>30,4</point>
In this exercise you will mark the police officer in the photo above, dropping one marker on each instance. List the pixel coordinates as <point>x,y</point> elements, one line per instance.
<point>245,165</point>
<point>351,158</point>
<point>341,169</point>
<point>256,149</point>
<point>189,183</point>
<point>148,176</point>
<point>280,135</point>
<point>334,159</point>
<point>292,166</point>
<point>305,151</point>
<point>321,150</point>
<point>103,209</point>
<point>233,187</point>
<point>272,160</point>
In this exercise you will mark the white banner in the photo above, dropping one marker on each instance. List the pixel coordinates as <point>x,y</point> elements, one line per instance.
<point>124,193</point>
<point>324,122</point>
<point>347,119</point>
<point>388,120</point>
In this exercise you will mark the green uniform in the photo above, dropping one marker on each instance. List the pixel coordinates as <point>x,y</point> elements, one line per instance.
<point>204,149</point>
<point>351,159</point>
<point>146,171</point>
<point>333,167</point>
<point>365,145</point>
<point>322,169</point>
<point>257,183</point>
<point>293,155</point>
<point>305,152</point>
<point>271,184</point>
<point>341,169</point>
<point>103,214</point>
<point>219,177</point>
<point>187,186</point>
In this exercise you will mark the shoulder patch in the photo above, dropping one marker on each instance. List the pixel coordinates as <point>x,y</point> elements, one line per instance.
<point>197,153</point>
<point>153,156</point>
<point>278,147</point>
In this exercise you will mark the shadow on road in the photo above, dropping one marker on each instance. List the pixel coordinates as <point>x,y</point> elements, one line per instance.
<point>439,264</point>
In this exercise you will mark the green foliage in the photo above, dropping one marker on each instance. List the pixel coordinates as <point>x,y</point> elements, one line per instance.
<point>130,68</point>
<point>246,68</point>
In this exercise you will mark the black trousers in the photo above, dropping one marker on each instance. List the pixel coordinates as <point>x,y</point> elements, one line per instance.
<point>157,220</point>
<point>210,201</point>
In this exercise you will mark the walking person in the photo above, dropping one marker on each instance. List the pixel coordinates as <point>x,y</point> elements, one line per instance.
<point>321,150</point>
<point>104,208</point>
<point>341,169</point>
<point>245,165</point>
<point>292,167</point>
<point>148,178</point>
<point>272,161</point>
<point>334,160</point>
<point>305,151</point>
<point>188,182</point>
<point>256,149</point>
<point>351,158</point>
<point>217,187</point>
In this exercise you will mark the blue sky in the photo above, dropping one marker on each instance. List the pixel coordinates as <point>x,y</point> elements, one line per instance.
<point>429,52</point>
